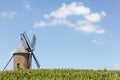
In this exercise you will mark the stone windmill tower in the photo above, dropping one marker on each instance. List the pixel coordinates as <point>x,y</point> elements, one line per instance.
<point>21,58</point>
<point>24,53</point>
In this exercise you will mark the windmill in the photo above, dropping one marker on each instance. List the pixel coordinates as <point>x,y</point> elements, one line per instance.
<point>24,54</point>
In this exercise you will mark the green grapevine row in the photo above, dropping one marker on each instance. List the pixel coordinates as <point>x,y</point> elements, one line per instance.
<point>60,74</point>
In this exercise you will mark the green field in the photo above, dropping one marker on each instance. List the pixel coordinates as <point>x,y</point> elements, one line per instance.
<point>60,74</point>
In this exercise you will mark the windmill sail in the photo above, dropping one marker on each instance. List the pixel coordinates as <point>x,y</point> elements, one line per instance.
<point>30,47</point>
<point>36,61</point>
<point>7,63</point>
<point>33,42</point>
<point>23,42</point>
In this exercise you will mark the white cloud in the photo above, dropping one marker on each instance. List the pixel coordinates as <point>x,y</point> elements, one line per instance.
<point>59,22</point>
<point>88,27</point>
<point>103,13</point>
<point>53,22</point>
<point>27,5</point>
<point>87,24</point>
<point>8,14</point>
<point>93,17</point>
<point>39,24</point>
<point>69,10</point>
<point>94,41</point>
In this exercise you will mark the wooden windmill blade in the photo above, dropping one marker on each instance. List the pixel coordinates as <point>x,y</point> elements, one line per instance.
<point>33,42</point>
<point>7,63</point>
<point>24,41</point>
<point>27,41</point>
<point>36,61</point>
<point>30,48</point>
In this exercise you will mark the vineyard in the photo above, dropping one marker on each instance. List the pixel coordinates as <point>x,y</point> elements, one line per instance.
<point>60,74</point>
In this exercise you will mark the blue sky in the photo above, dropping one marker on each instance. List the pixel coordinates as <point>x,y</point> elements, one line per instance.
<point>81,34</point>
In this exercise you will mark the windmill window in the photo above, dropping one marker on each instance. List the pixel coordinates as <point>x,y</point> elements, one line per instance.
<point>18,65</point>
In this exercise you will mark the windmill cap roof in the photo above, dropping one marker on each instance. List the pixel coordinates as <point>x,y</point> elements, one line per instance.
<point>21,49</point>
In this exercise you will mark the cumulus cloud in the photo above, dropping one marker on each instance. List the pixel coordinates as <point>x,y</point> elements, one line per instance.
<point>95,17</point>
<point>87,24</point>
<point>39,24</point>
<point>27,5</point>
<point>8,14</point>
<point>69,10</point>
<point>88,27</point>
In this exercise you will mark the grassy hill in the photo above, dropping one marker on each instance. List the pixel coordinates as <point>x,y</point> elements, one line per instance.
<point>60,74</point>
